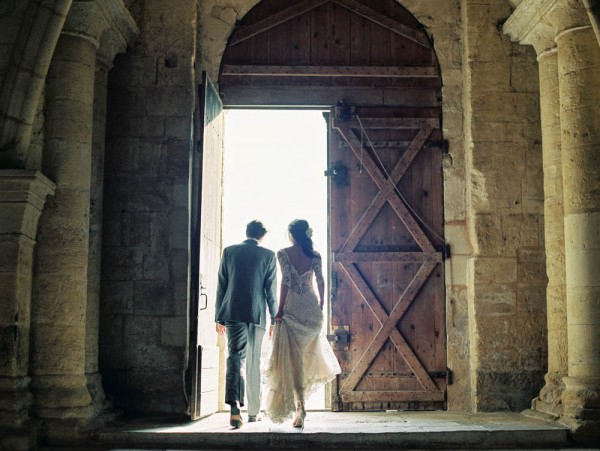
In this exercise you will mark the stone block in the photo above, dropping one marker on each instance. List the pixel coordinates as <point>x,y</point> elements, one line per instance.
<point>134,71</point>
<point>111,336</point>
<point>178,229</point>
<point>141,329</point>
<point>495,300</point>
<point>531,266</point>
<point>137,229</point>
<point>178,127</point>
<point>156,267</point>
<point>9,295</point>
<point>121,263</point>
<point>116,297</point>
<point>489,156</point>
<point>148,382</point>
<point>9,250</point>
<point>492,75</point>
<point>152,298</point>
<point>148,193</point>
<point>531,300</point>
<point>156,358</point>
<point>180,193</point>
<point>506,107</point>
<point>180,293</point>
<point>174,331</point>
<point>149,157</point>
<point>124,126</point>
<point>120,155</point>
<point>111,228</point>
<point>175,72</point>
<point>169,101</point>
<point>175,157</point>
<point>131,100</point>
<point>457,235</point>
<point>457,270</point>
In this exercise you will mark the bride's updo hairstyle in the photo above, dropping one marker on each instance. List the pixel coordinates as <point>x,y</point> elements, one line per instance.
<point>301,233</point>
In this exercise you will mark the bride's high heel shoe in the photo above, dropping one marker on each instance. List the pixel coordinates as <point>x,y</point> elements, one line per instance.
<point>300,416</point>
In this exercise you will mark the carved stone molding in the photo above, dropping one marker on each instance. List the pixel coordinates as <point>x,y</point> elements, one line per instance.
<point>106,23</point>
<point>537,22</point>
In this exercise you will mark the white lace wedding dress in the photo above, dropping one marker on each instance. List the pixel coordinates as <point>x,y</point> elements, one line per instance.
<point>301,358</point>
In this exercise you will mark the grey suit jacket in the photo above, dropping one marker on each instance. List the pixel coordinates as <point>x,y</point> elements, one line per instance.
<point>247,284</point>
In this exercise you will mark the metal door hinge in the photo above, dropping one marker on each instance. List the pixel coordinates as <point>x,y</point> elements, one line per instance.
<point>444,249</point>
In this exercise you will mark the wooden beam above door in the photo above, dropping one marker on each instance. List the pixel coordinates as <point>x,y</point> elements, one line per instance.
<point>331,71</point>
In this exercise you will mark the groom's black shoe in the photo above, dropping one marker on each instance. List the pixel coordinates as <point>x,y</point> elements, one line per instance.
<point>235,418</point>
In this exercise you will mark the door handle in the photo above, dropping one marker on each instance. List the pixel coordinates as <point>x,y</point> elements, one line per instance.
<point>205,296</point>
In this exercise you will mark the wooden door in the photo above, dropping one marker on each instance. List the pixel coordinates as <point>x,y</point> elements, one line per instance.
<point>206,163</point>
<point>386,221</point>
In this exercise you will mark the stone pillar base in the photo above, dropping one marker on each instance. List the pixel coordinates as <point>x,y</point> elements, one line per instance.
<point>18,431</point>
<point>549,401</point>
<point>581,408</point>
<point>70,407</point>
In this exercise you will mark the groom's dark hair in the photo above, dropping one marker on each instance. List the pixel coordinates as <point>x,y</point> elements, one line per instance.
<point>255,229</point>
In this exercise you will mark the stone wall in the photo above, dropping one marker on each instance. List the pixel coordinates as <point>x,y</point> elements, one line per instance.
<point>507,305</point>
<point>143,308</point>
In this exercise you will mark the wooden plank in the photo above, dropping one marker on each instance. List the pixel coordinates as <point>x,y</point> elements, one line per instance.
<point>395,202</point>
<point>387,191</point>
<point>384,21</point>
<point>387,122</point>
<point>329,71</point>
<point>392,395</point>
<point>388,326</point>
<point>413,257</point>
<point>340,41</point>
<point>248,31</point>
<point>300,96</point>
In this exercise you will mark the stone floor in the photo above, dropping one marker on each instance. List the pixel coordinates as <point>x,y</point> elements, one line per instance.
<point>341,431</point>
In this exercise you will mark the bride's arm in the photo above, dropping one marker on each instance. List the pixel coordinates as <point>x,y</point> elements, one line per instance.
<point>282,295</point>
<point>320,281</point>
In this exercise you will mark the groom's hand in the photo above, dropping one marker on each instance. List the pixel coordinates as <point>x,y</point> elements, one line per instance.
<point>271,331</point>
<point>220,329</point>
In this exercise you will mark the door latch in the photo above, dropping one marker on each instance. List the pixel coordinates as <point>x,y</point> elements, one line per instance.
<point>340,337</point>
<point>339,174</point>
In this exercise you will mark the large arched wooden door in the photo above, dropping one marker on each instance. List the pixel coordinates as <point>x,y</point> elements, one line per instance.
<point>373,62</point>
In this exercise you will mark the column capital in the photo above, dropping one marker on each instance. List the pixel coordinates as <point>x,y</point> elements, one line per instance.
<point>106,23</point>
<point>21,185</point>
<point>538,22</point>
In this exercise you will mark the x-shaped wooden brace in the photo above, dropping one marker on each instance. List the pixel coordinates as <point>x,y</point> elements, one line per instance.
<point>429,259</point>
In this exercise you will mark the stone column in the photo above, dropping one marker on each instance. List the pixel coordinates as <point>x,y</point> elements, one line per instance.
<point>64,358</point>
<point>22,197</point>
<point>60,285</point>
<point>579,69</point>
<point>527,27</point>
<point>95,247</point>
<point>549,400</point>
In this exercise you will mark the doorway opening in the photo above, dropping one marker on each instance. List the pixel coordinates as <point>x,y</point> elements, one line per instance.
<point>273,170</point>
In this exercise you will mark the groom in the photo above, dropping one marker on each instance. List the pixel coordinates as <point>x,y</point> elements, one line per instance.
<point>246,287</point>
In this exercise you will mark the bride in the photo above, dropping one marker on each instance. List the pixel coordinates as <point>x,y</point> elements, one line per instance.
<point>301,358</point>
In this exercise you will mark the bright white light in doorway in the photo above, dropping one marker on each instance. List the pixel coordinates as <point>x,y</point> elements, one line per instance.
<point>273,171</point>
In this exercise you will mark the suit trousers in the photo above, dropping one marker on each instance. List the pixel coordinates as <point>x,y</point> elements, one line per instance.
<point>244,343</point>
